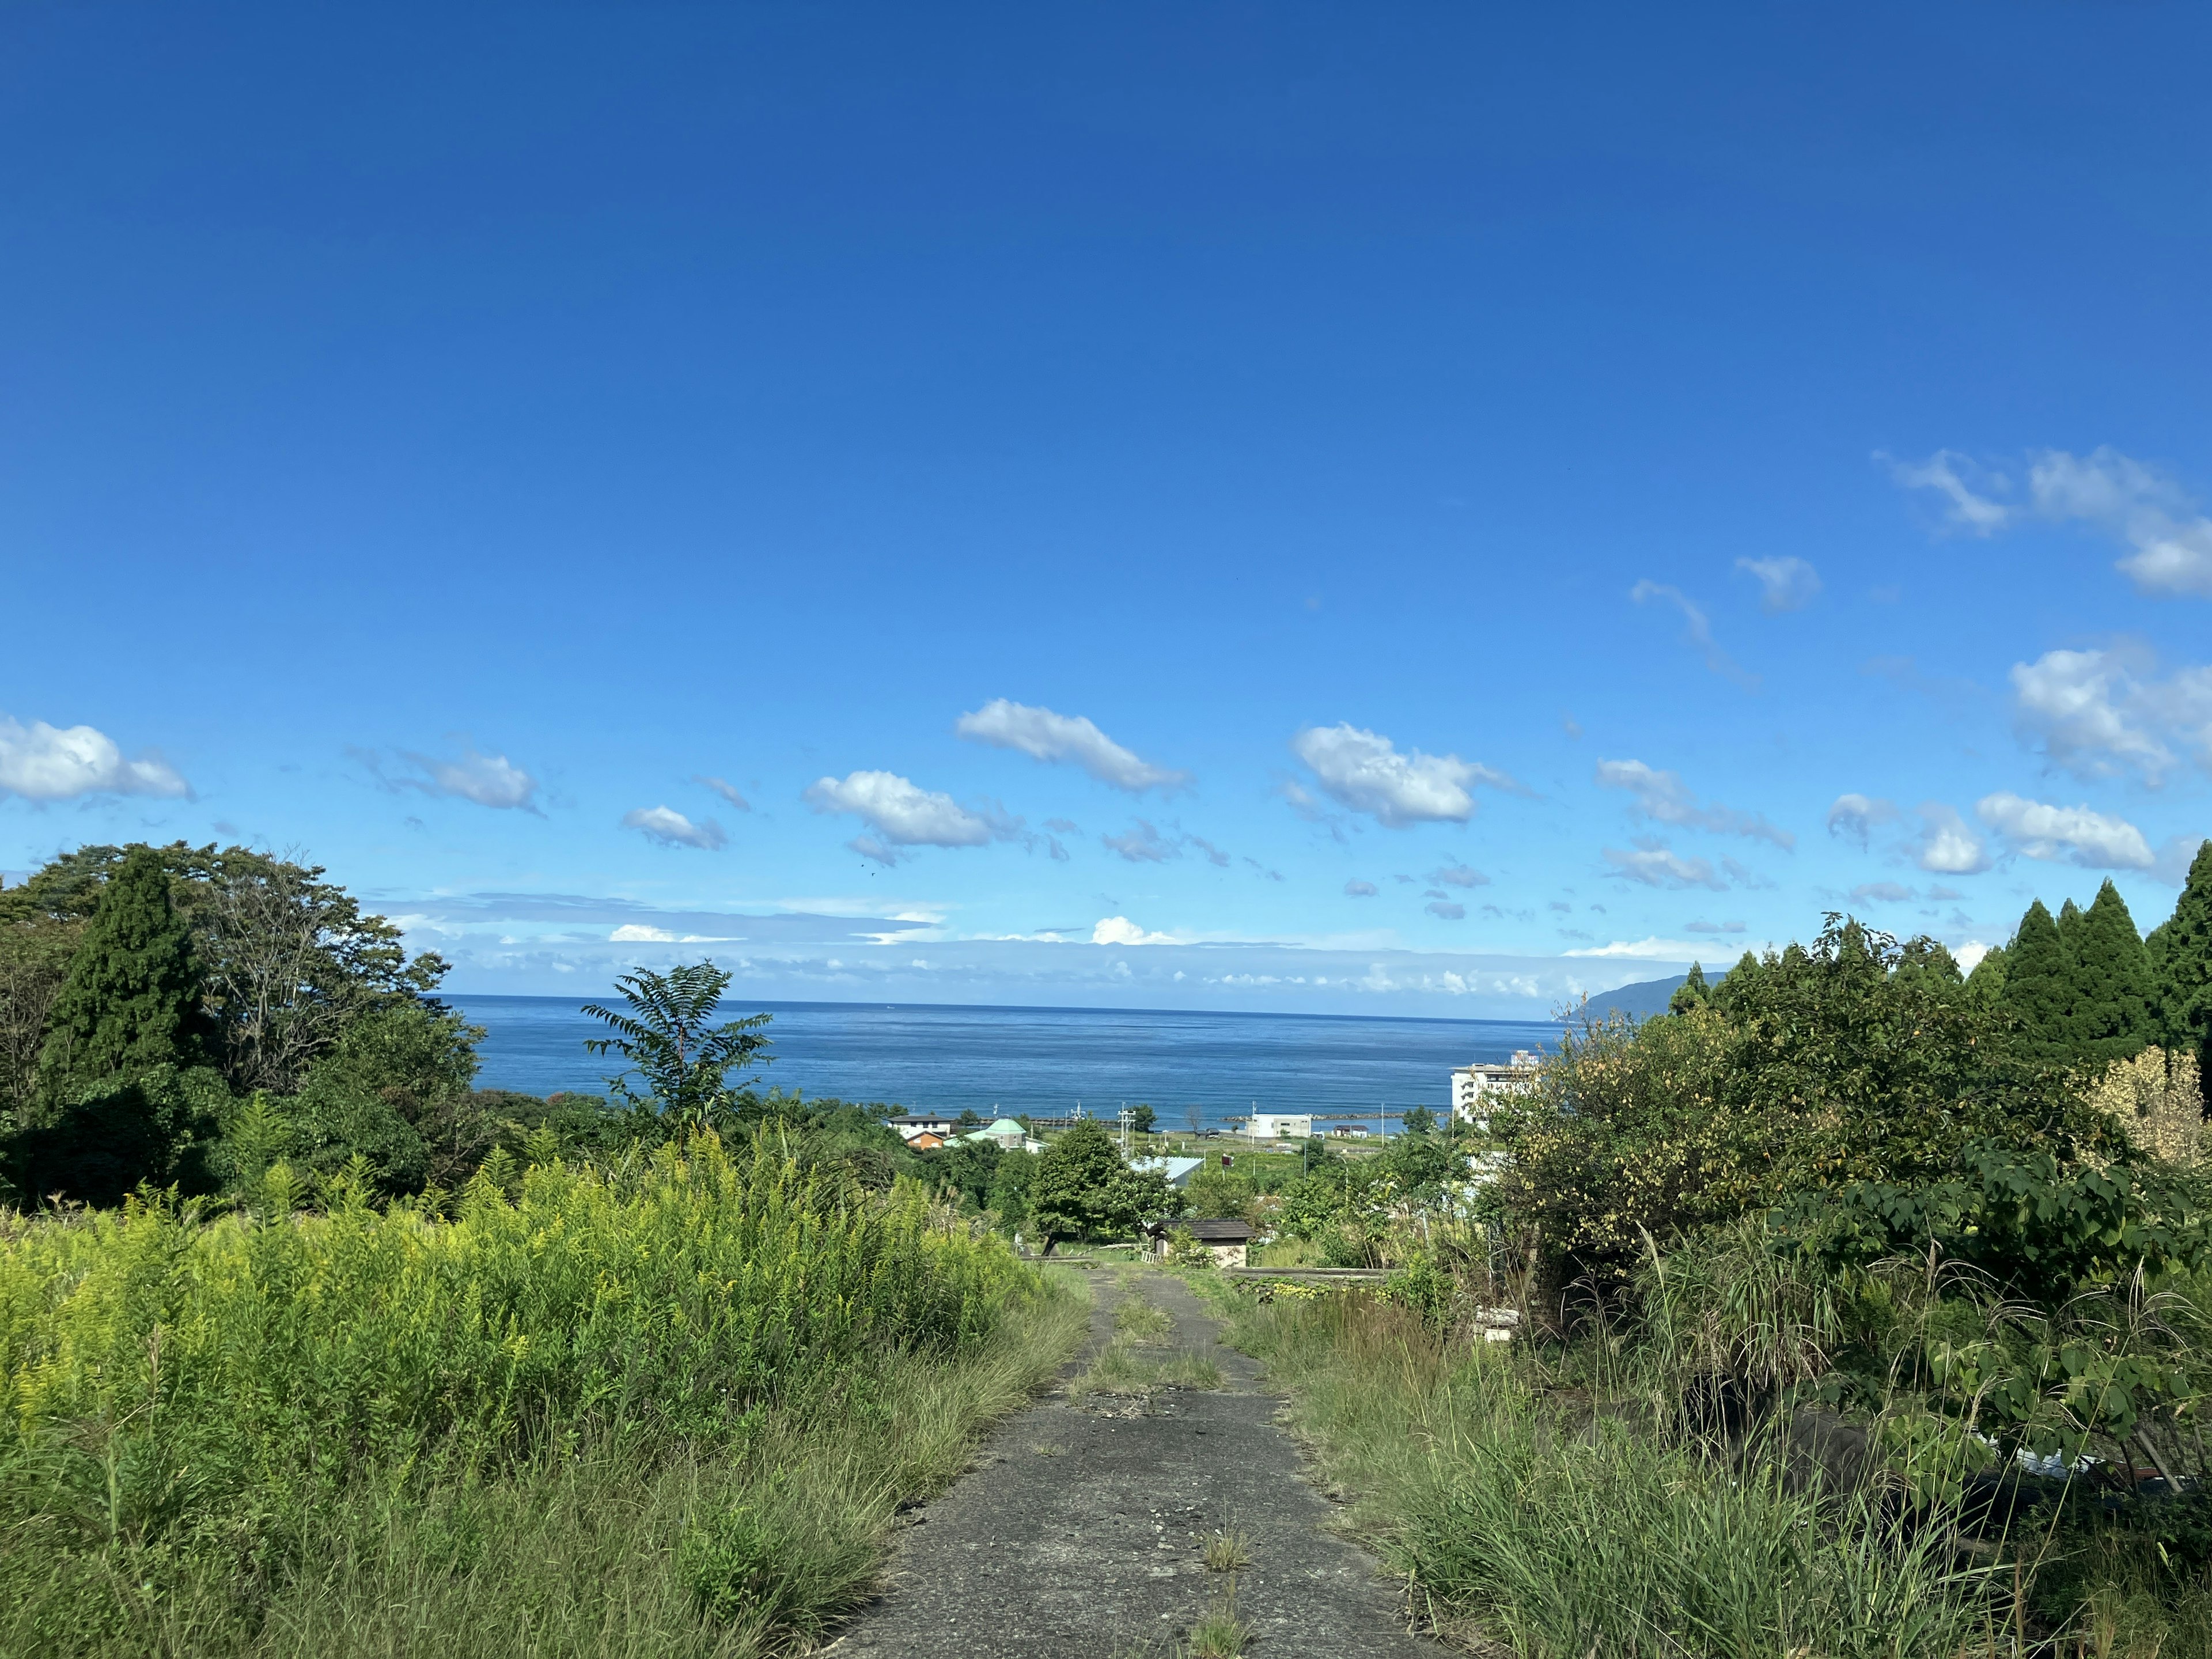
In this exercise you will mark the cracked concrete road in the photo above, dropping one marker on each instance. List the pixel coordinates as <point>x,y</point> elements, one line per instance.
<point>1080,1531</point>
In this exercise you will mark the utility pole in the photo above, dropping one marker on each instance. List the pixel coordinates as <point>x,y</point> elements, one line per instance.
<point>1125,1116</point>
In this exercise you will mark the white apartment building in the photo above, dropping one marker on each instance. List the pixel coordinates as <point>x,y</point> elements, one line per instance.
<point>1278,1125</point>
<point>1469,1083</point>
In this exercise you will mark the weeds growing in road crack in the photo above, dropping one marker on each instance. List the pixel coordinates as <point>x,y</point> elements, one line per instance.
<point>1228,1549</point>
<point>1137,1321</point>
<point>1220,1634</point>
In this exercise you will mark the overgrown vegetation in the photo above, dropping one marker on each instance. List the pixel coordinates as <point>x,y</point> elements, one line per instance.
<point>311,1347</point>
<point>1863,1306</point>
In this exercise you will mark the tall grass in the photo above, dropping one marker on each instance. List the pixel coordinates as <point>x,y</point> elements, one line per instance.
<point>1566,1534</point>
<point>667,1408</point>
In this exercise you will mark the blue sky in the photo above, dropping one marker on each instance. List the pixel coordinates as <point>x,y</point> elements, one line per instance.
<point>1419,511</point>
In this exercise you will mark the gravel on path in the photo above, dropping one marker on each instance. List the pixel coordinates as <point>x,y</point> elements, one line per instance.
<point>1081,1530</point>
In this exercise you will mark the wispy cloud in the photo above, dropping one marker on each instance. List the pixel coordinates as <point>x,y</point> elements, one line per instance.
<point>726,790</point>
<point>490,780</point>
<point>667,827</point>
<point>1357,889</point>
<point>1458,875</point>
<point>1786,583</point>
<point>2134,502</point>
<point>1653,865</point>
<point>1141,843</point>
<point>1697,630</point>
<point>1855,818</point>
<point>1444,909</point>
<point>1364,772</point>
<point>1652,949</point>
<point>40,762</point>
<point>1663,798</point>
<point>1043,735</point>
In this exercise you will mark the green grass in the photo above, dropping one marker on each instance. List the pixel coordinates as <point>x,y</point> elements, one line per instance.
<point>1138,1320</point>
<point>1522,1529</point>
<point>672,1411</point>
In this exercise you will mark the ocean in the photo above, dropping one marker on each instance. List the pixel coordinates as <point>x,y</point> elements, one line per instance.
<point>1048,1061</point>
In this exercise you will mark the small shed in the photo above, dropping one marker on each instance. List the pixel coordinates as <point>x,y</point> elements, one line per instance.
<point>1178,1170</point>
<point>927,1141</point>
<point>1225,1238</point>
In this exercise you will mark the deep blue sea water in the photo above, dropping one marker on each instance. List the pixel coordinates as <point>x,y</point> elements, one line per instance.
<point>1046,1061</point>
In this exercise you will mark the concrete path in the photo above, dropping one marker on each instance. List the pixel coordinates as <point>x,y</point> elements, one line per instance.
<point>1080,1534</point>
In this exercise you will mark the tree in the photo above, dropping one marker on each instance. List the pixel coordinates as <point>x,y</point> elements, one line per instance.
<point>2184,966</point>
<point>1142,1117</point>
<point>131,999</point>
<point>686,1061</point>
<point>1419,1120</point>
<point>1083,1190</point>
<point>2114,1017</point>
<point>1987,980</point>
<point>1692,992</point>
<point>287,960</point>
<point>2039,986</point>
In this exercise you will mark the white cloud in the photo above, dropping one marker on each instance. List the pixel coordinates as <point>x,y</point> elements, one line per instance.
<point>2074,835</point>
<point>1946,472</point>
<point>1854,816</point>
<point>40,762</point>
<point>1043,735</point>
<point>726,790</point>
<point>903,814</point>
<point>2133,503</point>
<point>1142,844</point>
<point>2145,508</point>
<point>1119,930</point>
<point>1655,867</point>
<point>1655,950</point>
<point>1663,798</point>
<point>1969,956</point>
<point>1785,583</point>
<point>1363,771</point>
<point>635,933</point>
<point>1945,845</point>
<point>1697,630</point>
<point>490,780</point>
<point>670,828</point>
<point>2101,712</point>
<point>1458,875</point>
<point>1357,889</point>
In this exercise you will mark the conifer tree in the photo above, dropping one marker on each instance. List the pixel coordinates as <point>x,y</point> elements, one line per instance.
<point>2039,987</point>
<point>131,999</point>
<point>2112,1015</point>
<point>2184,957</point>
<point>1988,979</point>
<point>1692,992</point>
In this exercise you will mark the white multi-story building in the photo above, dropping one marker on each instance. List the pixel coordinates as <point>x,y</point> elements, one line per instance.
<point>1278,1125</point>
<point>1471,1083</point>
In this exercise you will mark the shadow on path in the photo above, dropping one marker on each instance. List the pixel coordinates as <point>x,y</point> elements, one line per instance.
<point>1081,1530</point>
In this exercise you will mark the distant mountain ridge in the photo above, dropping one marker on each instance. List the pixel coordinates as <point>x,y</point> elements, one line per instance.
<point>1645,998</point>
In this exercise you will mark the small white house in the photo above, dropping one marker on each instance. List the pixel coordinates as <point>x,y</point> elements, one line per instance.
<point>1278,1125</point>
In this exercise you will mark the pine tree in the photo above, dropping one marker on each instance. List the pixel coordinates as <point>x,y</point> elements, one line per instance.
<point>1988,979</point>
<point>2184,965</point>
<point>1692,992</point>
<point>2039,988</point>
<point>131,999</point>
<point>2112,1016</point>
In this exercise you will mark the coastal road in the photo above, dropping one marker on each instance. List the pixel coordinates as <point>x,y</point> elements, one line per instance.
<point>1080,1532</point>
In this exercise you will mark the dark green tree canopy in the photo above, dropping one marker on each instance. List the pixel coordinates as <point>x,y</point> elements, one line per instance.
<point>2184,956</point>
<point>131,999</point>
<point>2114,1009</point>
<point>2039,986</point>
